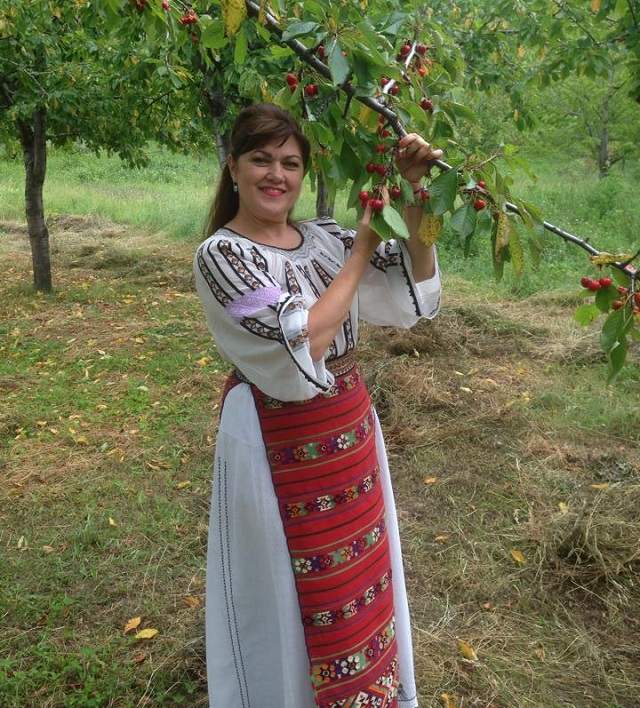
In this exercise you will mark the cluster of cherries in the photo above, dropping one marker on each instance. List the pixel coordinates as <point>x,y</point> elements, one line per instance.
<point>189,18</point>
<point>310,90</point>
<point>595,284</point>
<point>373,200</point>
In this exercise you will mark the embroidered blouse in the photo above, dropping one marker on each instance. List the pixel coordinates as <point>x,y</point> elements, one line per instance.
<point>257,298</point>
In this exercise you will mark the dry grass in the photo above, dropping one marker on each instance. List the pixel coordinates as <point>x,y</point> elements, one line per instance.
<point>490,441</point>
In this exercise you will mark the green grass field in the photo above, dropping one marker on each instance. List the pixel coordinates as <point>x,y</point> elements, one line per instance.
<point>516,468</point>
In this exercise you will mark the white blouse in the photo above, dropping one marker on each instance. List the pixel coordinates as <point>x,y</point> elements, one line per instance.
<point>256,300</point>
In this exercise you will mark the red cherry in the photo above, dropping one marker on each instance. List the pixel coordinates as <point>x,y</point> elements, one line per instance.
<point>594,285</point>
<point>363,196</point>
<point>585,282</point>
<point>426,104</point>
<point>384,81</point>
<point>479,204</point>
<point>424,194</point>
<point>310,90</point>
<point>482,184</point>
<point>380,148</point>
<point>405,49</point>
<point>292,79</point>
<point>376,204</point>
<point>617,304</point>
<point>165,5</point>
<point>381,170</point>
<point>605,282</point>
<point>395,192</point>
<point>422,70</point>
<point>636,299</point>
<point>320,50</point>
<point>371,167</point>
<point>622,290</point>
<point>394,90</point>
<point>421,49</point>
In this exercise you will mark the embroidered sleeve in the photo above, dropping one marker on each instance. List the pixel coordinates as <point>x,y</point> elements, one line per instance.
<point>388,293</point>
<point>258,325</point>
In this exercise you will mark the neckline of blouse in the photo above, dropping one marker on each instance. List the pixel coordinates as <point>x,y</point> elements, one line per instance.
<point>297,227</point>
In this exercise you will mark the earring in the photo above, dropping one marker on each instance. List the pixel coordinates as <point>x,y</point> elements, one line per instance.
<point>235,187</point>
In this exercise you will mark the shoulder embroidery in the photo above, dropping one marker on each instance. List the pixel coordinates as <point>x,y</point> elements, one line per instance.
<point>293,286</point>
<point>221,295</point>
<point>238,266</point>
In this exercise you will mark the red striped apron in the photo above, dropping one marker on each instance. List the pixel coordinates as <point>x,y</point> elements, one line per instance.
<point>324,467</point>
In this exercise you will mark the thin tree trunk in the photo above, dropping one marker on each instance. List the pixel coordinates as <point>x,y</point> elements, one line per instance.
<point>604,162</point>
<point>324,202</point>
<point>33,138</point>
<point>223,145</point>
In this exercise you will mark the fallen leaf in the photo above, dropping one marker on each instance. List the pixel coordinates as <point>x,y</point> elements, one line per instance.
<point>22,544</point>
<point>602,485</point>
<point>447,700</point>
<point>47,549</point>
<point>467,650</point>
<point>518,556</point>
<point>192,601</point>
<point>539,652</point>
<point>564,507</point>
<point>147,634</point>
<point>138,657</point>
<point>466,389</point>
<point>204,361</point>
<point>487,605</point>
<point>430,480</point>
<point>183,485</point>
<point>112,522</point>
<point>441,538</point>
<point>132,624</point>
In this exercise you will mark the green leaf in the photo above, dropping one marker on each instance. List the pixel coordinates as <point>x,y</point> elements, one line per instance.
<point>395,222</point>
<point>613,329</point>
<point>617,358</point>
<point>212,36</point>
<point>464,220</point>
<point>241,47</point>
<point>381,227</point>
<point>443,191</point>
<point>338,65</point>
<point>586,314</point>
<point>299,29</point>
<point>604,298</point>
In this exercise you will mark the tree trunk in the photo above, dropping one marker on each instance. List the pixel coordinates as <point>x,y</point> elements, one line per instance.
<point>324,203</point>
<point>604,162</point>
<point>34,147</point>
<point>223,145</point>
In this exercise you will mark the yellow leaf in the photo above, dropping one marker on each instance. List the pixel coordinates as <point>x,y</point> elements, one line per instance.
<point>430,480</point>
<point>595,5</point>
<point>503,233</point>
<point>429,229</point>
<point>518,556</point>
<point>233,13</point>
<point>601,485</point>
<point>539,652</point>
<point>204,361</point>
<point>521,51</point>
<point>112,522</point>
<point>447,700</point>
<point>564,507</point>
<point>47,549</point>
<point>605,258</point>
<point>183,485</point>
<point>132,624</point>
<point>441,538</point>
<point>147,633</point>
<point>467,650</point>
<point>192,601</point>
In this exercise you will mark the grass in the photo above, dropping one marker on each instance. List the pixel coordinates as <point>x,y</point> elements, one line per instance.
<point>498,424</point>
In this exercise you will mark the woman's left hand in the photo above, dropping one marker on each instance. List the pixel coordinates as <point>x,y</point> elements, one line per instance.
<point>413,157</point>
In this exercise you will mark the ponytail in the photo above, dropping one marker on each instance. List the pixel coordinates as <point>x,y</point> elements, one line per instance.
<point>225,204</point>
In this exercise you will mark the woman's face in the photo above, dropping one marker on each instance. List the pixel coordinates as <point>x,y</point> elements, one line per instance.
<point>269,179</point>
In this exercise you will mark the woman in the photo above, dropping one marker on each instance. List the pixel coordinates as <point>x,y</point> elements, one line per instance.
<point>306,603</point>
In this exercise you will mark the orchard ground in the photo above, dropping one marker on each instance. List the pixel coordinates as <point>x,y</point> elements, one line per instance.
<point>516,469</point>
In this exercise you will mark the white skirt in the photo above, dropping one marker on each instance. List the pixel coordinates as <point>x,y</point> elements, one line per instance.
<point>256,652</point>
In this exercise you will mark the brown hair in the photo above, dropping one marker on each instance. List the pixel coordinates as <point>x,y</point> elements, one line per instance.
<point>255,126</point>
